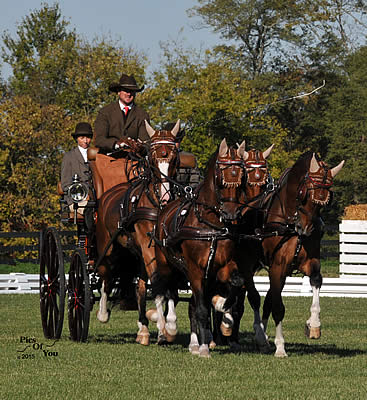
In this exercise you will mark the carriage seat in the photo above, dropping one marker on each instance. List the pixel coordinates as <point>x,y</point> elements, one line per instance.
<point>188,172</point>
<point>187,160</point>
<point>108,171</point>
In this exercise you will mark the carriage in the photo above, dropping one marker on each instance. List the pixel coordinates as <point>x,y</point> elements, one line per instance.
<point>82,289</point>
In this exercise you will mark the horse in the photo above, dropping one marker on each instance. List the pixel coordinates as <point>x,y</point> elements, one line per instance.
<point>292,230</point>
<point>259,183</point>
<point>126,214</point>
<point>196,239</point>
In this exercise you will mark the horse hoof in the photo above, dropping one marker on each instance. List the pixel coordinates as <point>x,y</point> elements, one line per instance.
<point>194,349</point>
<point>212,345</point>
<point>143,340</point>
<point>152,315</point>
<point>312,333</point>
<point>264,348</point>
<point>281,354</point>
<point>204,351</point>
<point>103,318</point>
<point>169,338</point>
<point>226,330</point>
<point>162,341</point>
<point>235,347</point>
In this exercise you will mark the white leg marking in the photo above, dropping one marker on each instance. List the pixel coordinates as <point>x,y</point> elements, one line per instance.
<point>204,351</point>
<point>102,314</point>
<point>194,344</point>
<point>171,325</point>
<point>279,342</point>
<point>218,303</point>
<point>160,318</point>
<point>314,320</point>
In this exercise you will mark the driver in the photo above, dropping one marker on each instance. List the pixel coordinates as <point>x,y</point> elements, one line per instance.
<point>75,162</point>
<point>119,122</point>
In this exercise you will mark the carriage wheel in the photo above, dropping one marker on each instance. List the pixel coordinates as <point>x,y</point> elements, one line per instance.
<point>52,284</point>
<point>80,297</point>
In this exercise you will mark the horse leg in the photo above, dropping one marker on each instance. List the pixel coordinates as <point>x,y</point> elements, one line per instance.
<point>254,299</point>
<point>224,304</point>
<point>194,341</point>
<point>103,314</point>
<point>313,324</point>
<point>171,319</point>
<point>142,336</point>
<point>278,311</point>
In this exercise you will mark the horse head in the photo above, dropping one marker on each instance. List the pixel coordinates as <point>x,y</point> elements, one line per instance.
<point>257,169</point>
<point>228,180</point>
<point>163,156</point>
<point>314,192</point>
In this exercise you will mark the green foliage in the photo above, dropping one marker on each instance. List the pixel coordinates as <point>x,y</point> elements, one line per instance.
<point>346,120</point>
<point>214,101</point>
<point>32,140</point>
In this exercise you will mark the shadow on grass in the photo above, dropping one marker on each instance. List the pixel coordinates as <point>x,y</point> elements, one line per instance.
<point>247,345</point>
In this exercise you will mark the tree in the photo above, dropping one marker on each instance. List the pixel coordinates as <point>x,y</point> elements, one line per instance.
<point>265,33</point>
<point>54,66</point>
<point>346,121</point>
<point>31,153</point>
<point>39,33</point>
<point>213,100</point>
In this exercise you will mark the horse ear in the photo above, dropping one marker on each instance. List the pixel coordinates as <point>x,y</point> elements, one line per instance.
<point>314,165</point>
<point>337,169</point>
<point>176,128</point>
<point>267,152</point>
<point>223,148</point>
<point>241,152</point>
<point>149,129</point>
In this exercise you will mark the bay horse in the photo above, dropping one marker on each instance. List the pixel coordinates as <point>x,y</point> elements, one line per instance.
<point>258,184</point>
<point>292,231</point>
<point>196,242</point>
<point>126,214</point>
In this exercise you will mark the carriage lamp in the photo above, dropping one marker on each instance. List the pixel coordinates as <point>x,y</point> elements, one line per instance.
<point>78,191</point>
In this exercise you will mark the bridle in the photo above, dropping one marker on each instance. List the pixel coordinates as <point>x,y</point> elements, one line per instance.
<point>255,169</point>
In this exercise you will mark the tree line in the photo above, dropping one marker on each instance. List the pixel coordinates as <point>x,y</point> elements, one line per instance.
<point>253,85</point>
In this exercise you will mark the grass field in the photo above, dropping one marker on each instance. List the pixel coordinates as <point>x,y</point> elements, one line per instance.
<point>112,366</point>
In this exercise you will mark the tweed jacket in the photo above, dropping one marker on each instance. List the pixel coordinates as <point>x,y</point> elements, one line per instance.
<point>111,125</point>
<point>73,163</point>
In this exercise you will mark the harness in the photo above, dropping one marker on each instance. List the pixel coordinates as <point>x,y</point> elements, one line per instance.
<point>292,226</point>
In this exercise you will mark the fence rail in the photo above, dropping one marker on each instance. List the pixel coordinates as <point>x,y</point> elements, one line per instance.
<point>19,283</point>
<point>329,248</point>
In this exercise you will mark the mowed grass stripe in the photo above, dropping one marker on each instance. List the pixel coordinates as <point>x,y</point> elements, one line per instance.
<point>112,366</point>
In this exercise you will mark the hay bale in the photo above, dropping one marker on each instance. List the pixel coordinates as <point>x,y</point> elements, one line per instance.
<point>357,211</point>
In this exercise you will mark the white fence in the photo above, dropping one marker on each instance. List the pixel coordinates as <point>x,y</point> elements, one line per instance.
<point>352,281</point>
<point>353,248</point>
<point>331,287</point>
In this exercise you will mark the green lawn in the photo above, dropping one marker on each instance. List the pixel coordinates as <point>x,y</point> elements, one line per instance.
<point>112,366</point>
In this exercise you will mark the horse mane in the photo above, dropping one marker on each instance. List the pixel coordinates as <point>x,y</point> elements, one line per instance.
<point>301,166</point>
<point>209,177</point>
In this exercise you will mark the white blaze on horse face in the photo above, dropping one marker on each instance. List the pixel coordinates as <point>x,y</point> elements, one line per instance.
<point>163,167</point>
